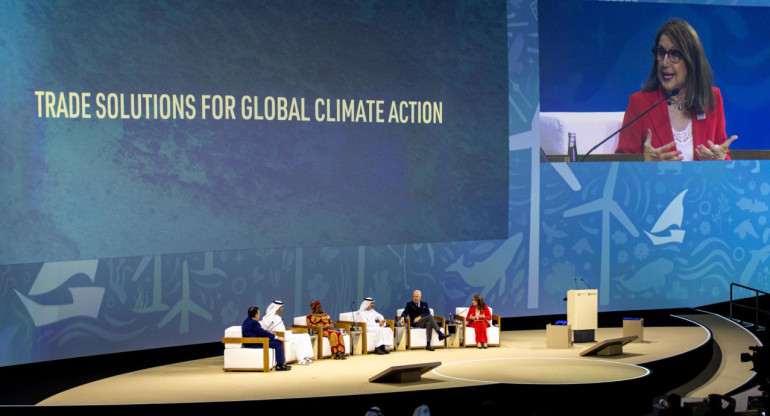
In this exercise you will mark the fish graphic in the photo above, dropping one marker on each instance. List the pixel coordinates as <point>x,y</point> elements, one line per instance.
<point>650,276</point>
<point>489,271</point>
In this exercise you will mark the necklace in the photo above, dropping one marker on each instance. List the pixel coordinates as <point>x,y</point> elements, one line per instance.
<point>679,104</point>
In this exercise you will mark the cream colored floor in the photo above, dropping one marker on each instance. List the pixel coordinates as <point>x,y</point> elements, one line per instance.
<point>523,358</point>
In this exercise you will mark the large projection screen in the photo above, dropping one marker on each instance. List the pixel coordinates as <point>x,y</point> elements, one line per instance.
<point>144,127</point>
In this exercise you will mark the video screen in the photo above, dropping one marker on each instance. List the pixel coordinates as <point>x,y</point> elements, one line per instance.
<point>596,54</point>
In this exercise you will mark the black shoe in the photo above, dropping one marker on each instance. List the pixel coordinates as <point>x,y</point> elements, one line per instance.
<point>429,348</point>
<point>442,337</point>
<point>380,351</point>
<point>282,367</point>
<point>385,350</point>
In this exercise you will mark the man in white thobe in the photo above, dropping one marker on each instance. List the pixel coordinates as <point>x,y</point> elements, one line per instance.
<point>273,322</point>
<point>375,324</point>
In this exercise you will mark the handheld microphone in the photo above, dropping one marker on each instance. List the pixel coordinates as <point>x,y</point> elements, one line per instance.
<point>673,93</point>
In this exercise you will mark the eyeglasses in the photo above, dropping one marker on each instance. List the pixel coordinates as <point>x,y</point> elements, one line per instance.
<point>674,55</point>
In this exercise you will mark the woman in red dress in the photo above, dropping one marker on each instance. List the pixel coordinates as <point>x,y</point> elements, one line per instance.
<point>319,317</point>
<point>479,318</point>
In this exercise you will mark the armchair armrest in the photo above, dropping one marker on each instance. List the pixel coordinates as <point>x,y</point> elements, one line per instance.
<point>462,320</point>
<point>343,324</point>
<point>248,340</point>
<point>298,329</point>
<point>464,323</point>
<point>408,322</point>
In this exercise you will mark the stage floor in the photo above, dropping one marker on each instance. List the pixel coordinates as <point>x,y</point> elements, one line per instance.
<point>523,359</point>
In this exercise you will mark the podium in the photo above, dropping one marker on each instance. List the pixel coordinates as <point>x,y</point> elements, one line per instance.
<point>583,313</point>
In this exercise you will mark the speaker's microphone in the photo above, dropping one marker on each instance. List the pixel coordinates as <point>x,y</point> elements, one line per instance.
<point>673,93</point>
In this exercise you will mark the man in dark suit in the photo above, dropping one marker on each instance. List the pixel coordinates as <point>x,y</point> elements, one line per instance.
<point>252,329</point>
<point>419,314</point>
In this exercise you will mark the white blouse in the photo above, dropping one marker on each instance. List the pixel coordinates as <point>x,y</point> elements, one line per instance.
<point>683,141</point>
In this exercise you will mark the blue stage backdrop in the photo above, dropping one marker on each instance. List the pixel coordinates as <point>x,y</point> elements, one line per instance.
<point>647,235</point>
<point>135,127</point>
<point>596,54</point>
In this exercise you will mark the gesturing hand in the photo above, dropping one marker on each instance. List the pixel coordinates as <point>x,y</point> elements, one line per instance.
<point>714,152</point>
<point>661,153</point>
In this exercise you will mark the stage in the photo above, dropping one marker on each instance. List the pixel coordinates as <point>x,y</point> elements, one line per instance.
<point>522,360</point>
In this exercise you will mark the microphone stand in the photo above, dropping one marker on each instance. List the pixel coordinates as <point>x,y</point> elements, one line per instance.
<point>673,93</point>
<point>355,321</point>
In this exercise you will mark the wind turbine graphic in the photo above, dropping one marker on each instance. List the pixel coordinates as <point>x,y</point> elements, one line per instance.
<point>608,207</point>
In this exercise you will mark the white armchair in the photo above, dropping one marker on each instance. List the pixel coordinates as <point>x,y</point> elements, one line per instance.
<point>239,358</point>
<point>469,334</point>
<point>416,338</point>
<point>322,345</point>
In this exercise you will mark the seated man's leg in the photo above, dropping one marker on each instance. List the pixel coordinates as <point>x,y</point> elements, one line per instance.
<point>385,336</point>
<point>304,346</point>
<point>280,358</point>
<point>429,324</point>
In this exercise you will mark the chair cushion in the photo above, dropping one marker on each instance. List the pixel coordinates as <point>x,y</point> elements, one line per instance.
<point>233,332</point>
<point>348,316</point>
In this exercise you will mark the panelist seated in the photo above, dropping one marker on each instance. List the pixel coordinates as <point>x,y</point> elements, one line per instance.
<point>300,343</point>
<point>479,317</point>
<point>377,328</point>
<point>251,329</point>
<point>321,319</point>
<point>420,316</point>
<point>692,124</point>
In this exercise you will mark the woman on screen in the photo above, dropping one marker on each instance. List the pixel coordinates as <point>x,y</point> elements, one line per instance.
<point>692,125</point>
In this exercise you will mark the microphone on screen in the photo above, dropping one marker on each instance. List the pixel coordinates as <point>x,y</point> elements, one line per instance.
<point>668,96</point>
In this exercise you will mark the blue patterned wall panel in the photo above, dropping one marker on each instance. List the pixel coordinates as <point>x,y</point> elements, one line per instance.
<point>654,235</point>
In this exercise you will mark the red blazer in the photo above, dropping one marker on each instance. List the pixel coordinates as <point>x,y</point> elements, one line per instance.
<point>472,314</point>
<point>705,126</point>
